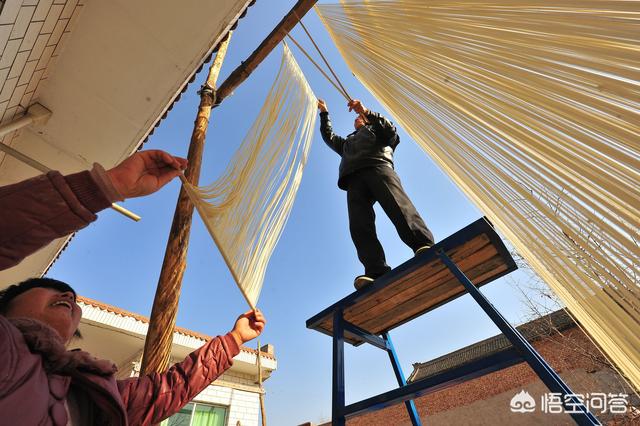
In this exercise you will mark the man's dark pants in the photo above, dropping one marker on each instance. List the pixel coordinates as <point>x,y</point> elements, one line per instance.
<point>381,184</point>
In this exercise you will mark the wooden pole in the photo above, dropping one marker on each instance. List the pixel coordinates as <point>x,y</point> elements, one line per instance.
<point>263,413</point>
<point>157,346</point>
<point>241,73</point>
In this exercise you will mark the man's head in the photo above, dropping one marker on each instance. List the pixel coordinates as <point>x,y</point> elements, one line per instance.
<point>47,300</point>
<point>359,122</point>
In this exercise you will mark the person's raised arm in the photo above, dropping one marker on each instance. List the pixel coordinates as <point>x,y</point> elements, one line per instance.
<point>152,398</point>
<point>334,141</point>
<point>358,107</point>
<point>385,127</point>
<point>36,211</point>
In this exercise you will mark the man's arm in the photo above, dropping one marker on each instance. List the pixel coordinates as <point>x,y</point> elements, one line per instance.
<point>383,127</point>
<point>152,398</point>
<point>36,211</point>
<point>334,141</point>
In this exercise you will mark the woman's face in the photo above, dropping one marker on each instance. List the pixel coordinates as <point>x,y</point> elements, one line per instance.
<point>57,309</point>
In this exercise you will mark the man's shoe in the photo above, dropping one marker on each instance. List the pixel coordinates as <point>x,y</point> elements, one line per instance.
<point>362,281</point>
<point>423,249</point>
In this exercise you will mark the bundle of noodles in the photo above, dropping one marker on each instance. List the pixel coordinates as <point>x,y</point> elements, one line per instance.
<point>246,209</point>
<point>532,108</point>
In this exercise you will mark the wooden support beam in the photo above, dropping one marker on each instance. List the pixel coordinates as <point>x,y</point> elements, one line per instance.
<point>278,34</point>
<point>165,305</point>
<point>263,412</point>
<point>157,346</point>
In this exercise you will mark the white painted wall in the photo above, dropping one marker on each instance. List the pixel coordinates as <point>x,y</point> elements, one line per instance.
<point>243,406</point>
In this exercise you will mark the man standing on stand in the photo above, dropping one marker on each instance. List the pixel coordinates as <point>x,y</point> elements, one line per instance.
<point>366,173</point>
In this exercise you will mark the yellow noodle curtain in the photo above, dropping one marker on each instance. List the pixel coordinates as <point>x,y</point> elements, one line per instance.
<point>533,109</point>
<point>245,210</point>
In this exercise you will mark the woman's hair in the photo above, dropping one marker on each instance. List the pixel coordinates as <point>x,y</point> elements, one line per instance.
<point>13,291</point>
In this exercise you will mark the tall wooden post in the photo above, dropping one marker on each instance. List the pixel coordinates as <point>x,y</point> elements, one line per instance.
<point>263,413</point>
<point>157,346</point>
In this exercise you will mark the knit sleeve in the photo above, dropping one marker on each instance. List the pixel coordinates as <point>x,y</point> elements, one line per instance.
<point>39,210</point>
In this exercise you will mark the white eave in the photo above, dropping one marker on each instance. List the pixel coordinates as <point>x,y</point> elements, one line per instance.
<point>108,70</point>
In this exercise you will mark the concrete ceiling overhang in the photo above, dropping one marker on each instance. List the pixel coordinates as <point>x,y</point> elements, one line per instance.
<point>108,70</point>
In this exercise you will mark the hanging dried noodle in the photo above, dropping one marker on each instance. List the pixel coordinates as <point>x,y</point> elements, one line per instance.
<point>533,109</point>
<point>246,209</point>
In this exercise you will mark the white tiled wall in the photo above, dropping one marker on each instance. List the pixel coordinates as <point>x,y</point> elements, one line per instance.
<point>243,406</point>
<point>31,35</point>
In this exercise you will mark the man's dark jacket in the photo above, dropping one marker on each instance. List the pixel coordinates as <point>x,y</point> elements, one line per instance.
<point>370,146</point>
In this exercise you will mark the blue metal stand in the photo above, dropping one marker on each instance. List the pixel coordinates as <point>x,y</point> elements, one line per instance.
<point>340,326</point>
<point>533,358</point>
<point>411,406</point>
<point>337,412</point>
<point>365,307</point>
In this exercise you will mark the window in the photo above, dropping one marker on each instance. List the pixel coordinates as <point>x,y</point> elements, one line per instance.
<point>196,414</point>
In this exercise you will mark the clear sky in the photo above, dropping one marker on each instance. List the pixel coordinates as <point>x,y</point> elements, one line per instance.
<point>117,261</point>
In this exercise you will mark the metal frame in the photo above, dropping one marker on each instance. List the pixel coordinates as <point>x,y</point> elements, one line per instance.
<point>533,358</point>
<point>411,406</point>
<point>339,412</point>
<point>337,398</point>
<point>520,351</point>
<point>480,226</point>
<point>495,362</point>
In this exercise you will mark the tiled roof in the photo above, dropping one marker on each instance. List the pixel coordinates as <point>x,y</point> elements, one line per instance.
<point>141,318</point>
<point>532,331</point>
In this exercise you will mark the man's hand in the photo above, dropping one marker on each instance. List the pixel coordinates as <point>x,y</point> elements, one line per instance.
<point>356,105</point>
<point>322,106</point>
<point>145,172</point>
<point>248,326</point>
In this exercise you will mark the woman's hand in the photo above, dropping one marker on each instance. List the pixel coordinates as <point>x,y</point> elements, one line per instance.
<point>248,326</point>
<point>145,172</point>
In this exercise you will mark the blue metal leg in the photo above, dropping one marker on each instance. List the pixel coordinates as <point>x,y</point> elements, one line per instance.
<point>411,406</point>
<point>337,412</point>
<point>537,363</point>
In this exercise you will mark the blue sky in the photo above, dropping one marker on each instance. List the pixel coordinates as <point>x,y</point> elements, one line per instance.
<point>118,261</point>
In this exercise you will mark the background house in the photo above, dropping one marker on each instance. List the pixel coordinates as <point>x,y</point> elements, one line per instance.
<point>233,399</point>
<point>486,400</point>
